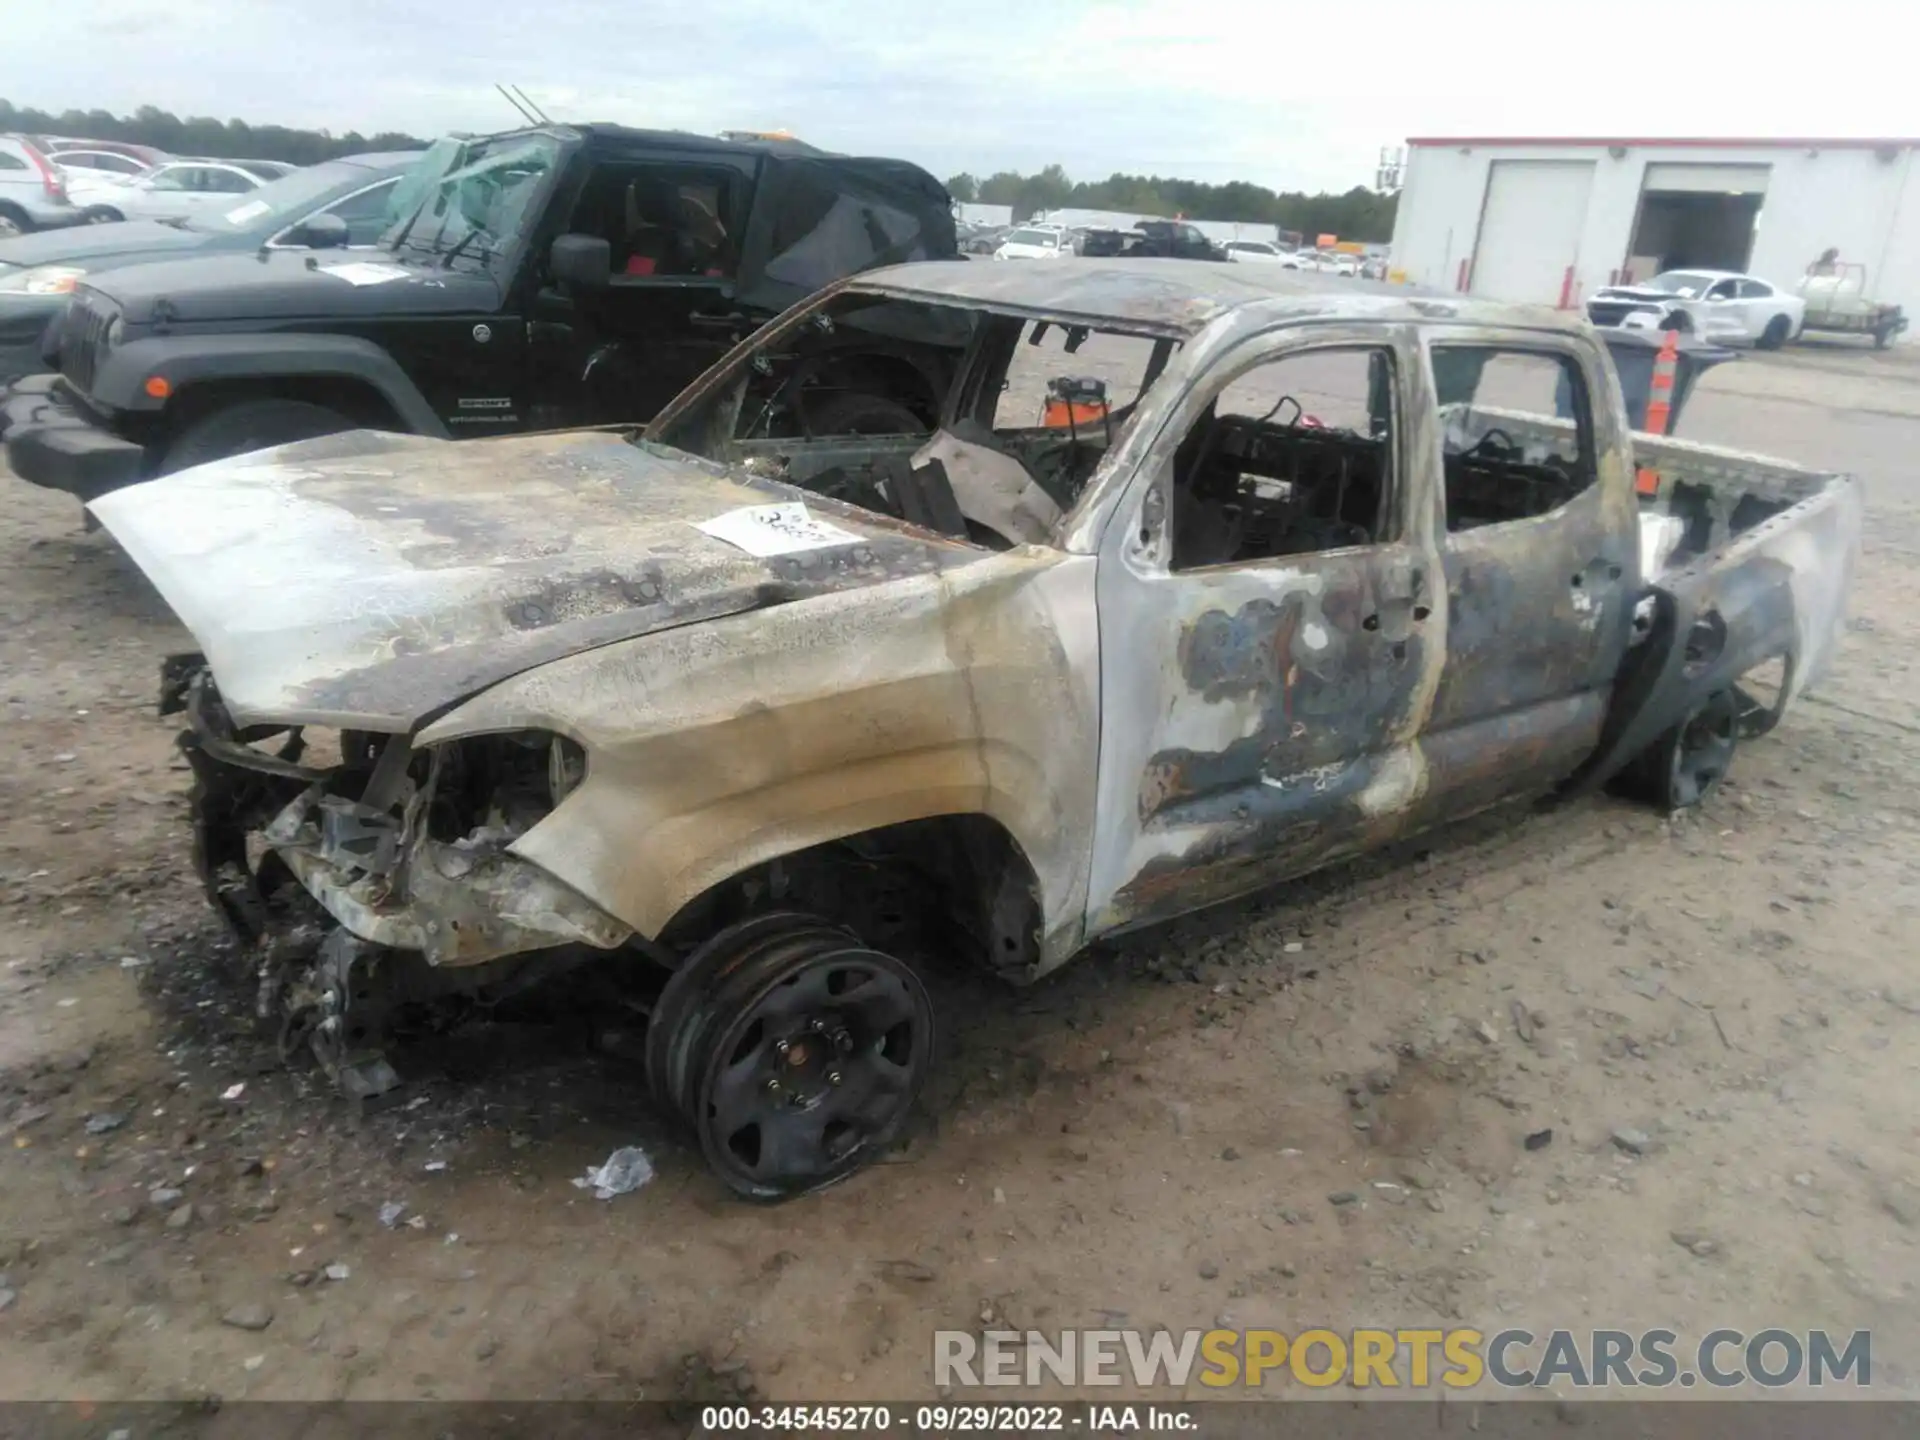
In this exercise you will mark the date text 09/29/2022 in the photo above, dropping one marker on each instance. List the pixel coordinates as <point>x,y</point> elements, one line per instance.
<point>950,1419</point>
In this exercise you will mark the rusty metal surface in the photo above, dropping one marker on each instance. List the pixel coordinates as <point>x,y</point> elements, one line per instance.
<point>714,747</point>
<point>1153,741</point>
<point>1175,298</point>
<point>369,580</point>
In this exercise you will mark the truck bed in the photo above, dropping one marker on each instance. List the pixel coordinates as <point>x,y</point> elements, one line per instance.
<point>1745,562</point>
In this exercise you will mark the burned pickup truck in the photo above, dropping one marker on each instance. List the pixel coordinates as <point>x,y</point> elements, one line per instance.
<point>1204,578</point>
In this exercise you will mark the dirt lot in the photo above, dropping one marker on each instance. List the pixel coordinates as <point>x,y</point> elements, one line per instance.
<point>1151,1138</point>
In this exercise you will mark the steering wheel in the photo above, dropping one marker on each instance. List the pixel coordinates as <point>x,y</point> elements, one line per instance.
<point>1507,445</point>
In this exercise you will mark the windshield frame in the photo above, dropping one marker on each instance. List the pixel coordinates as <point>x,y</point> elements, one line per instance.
<point>422,234</point>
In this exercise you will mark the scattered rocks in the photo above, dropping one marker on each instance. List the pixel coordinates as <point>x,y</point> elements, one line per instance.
<point>1343,1197</point>
<point>7,1297</point>
<point>1902,1201</point>
<point>391,1212</point>
<point>335,1271</point>
<point>1229,1153</point>
<point>1209,1270</point>
<point>165,1197</point>
<point>1485,1033</point>
<point>1634,1142</point>
<point>102,1123</point>
<point>248,1317</point>
<point>1695,1243</point>
<point>181,1218</point>
<point>1539,1139</point>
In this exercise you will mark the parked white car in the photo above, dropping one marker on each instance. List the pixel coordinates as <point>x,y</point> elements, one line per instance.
<point>1036,242</point>
<point>172,191</point>
<point>1717,305</point>
<point>1263,252</point>
<point>1333,262</point>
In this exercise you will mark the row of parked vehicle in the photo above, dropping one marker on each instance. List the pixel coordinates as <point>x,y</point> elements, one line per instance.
<point>47,183</point>
<point>1178,239</point>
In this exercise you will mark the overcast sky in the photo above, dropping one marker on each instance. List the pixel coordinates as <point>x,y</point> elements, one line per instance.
<point>1288,94</point>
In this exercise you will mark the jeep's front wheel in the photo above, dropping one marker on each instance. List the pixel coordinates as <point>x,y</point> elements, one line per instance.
<point>250,425</point>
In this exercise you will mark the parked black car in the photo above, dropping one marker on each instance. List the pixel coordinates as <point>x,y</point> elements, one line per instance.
<point>561,276</point>
<point>39,271</point>
<point>1175,239</point>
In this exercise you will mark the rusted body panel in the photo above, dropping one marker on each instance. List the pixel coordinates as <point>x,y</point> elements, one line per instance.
<point>370,580</point>
<point>716,747</point>
<point>1152,740</point>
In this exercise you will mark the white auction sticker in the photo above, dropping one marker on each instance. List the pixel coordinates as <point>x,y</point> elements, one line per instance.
<point>365,272</point>
<point>252,210</point>
<point>763,530</point>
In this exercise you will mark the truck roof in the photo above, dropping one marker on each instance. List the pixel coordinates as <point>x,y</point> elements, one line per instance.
<point>1180,298</point>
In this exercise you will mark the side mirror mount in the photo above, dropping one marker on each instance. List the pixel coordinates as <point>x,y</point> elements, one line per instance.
<point>322,232</point>
<point>584,262</point>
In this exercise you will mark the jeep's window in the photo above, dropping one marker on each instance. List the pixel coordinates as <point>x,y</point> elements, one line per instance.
<point>821,232</point>
<point>662,221</point>
<point>1293,456</point>
<point>1516,436</point>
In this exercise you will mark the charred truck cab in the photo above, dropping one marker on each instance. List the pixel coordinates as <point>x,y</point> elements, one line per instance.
<point>1194,580</point>
<point>559,276</point>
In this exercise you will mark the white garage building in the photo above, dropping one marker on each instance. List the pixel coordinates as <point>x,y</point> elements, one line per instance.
<point>1552,220</point>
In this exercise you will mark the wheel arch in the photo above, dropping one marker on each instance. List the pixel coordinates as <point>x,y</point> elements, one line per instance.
<point>970,868</point>
<point>291,367</point>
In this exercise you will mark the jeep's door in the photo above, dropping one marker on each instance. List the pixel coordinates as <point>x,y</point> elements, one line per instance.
<point>673,227</point>
<point>1539,552</point>
<point>1267,633</point>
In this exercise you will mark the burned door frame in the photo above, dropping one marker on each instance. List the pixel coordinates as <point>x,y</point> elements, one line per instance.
<point>1259,718</point>
<point>1539,610</point>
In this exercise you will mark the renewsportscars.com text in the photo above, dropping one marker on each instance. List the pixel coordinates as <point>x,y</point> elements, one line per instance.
<point>1409,1358</point>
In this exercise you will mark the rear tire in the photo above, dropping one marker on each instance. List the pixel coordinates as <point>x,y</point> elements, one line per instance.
<point>1686,764</point>
<point>250,425</point>
<point>863,415</point>
<point>14,221</point>
<point>1775,335</point>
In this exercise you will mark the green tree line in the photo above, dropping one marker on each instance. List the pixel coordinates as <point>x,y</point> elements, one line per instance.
<point>200,135</point>
<point>1360,214</point>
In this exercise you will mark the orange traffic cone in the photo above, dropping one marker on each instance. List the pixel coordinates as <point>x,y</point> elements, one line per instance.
<point>1659,405</point>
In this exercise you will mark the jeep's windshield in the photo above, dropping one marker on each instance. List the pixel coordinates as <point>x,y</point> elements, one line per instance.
<point>478,211</point>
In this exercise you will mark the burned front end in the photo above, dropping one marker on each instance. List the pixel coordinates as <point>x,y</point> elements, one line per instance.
<point>366,877</point>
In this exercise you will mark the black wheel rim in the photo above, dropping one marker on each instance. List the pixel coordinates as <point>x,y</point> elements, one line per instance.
<point>668,1040</point>
<point>822,1054</point>
<point>1703,750</point>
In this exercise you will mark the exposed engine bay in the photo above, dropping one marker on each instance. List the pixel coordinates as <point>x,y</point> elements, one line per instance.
<point>324,852</point>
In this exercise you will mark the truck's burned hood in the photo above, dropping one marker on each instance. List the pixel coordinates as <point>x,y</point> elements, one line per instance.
<point>370,581</point>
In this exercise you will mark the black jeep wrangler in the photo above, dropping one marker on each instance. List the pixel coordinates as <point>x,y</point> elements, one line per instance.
<point>560,276</point>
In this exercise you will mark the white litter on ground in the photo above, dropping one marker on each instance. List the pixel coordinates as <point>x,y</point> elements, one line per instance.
<point>624,1171</point>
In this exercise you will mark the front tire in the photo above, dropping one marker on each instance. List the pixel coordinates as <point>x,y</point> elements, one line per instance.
<point>248,426</point>
<point>101,215</point>
<point>1775,335</point>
